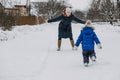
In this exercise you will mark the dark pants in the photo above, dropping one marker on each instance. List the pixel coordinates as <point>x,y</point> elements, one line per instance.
<point>71,38</point>
<point>87,54</point>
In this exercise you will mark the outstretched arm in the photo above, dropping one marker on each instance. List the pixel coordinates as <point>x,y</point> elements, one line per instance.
<point>78,20</point>
<point>80,38</point>
<point>55,19</point>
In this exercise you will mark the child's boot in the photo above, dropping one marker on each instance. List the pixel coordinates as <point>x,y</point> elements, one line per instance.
<point>86,64</point>
<point>93,58</point>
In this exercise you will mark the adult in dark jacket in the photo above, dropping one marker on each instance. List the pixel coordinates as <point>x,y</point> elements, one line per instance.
<point>65,30</point>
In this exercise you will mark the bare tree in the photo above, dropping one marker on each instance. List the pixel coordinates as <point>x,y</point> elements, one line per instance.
<point>118,9</point>
<point>55,8</point>
<point>6,20</point>
<point>39,7</point>
<point>79,14</point>
<point>94,11</point>
<point>108,10</point>
<point>50,9</point>
<point>102,10</point>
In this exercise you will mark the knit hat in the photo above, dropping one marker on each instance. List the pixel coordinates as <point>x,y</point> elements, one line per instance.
<point>68,10</point>
<point>88,22</point>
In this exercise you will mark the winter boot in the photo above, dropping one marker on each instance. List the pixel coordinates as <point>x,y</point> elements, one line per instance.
<point>86,64</point>
<point>58,49</point>
<point>72,44</point>
<point>59,45</point>
<point>93,58</point>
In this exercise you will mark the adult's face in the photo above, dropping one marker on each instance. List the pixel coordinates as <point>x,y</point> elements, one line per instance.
<point>68,13</point>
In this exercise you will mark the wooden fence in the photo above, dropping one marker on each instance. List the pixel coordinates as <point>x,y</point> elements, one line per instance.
<point>27,20</point>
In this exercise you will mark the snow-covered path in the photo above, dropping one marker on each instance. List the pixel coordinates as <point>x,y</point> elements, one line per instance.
<point>32,55</point>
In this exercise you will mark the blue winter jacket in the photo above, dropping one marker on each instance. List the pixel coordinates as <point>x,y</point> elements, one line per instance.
<point>87,38</point>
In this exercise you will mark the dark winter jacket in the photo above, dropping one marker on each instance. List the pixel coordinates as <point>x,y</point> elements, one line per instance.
<point>65,30</point>
<point>87,38</point>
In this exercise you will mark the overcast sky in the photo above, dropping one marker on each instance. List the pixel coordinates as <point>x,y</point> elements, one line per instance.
<point>80,4</point>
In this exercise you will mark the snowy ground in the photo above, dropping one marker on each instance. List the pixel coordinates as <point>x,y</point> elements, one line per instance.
<point>29,53</point>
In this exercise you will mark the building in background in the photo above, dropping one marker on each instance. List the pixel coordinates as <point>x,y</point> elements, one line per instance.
<point>22,9</point>
<point>1,8</point>
<point>12,11</point>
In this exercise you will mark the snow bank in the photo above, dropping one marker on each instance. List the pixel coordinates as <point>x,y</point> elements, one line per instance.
<point>7,35</point>
<point>19,31</point>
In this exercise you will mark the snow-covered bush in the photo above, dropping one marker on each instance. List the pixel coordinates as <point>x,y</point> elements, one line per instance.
<point>6,35</point>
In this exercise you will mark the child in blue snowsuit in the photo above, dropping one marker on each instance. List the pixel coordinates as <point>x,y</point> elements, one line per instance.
<point>87,38</point>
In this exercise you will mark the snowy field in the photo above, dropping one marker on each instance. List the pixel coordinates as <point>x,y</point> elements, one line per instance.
<point>29,53</point>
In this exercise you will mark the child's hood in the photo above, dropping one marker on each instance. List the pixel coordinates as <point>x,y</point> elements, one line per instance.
<point>88,29</point>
